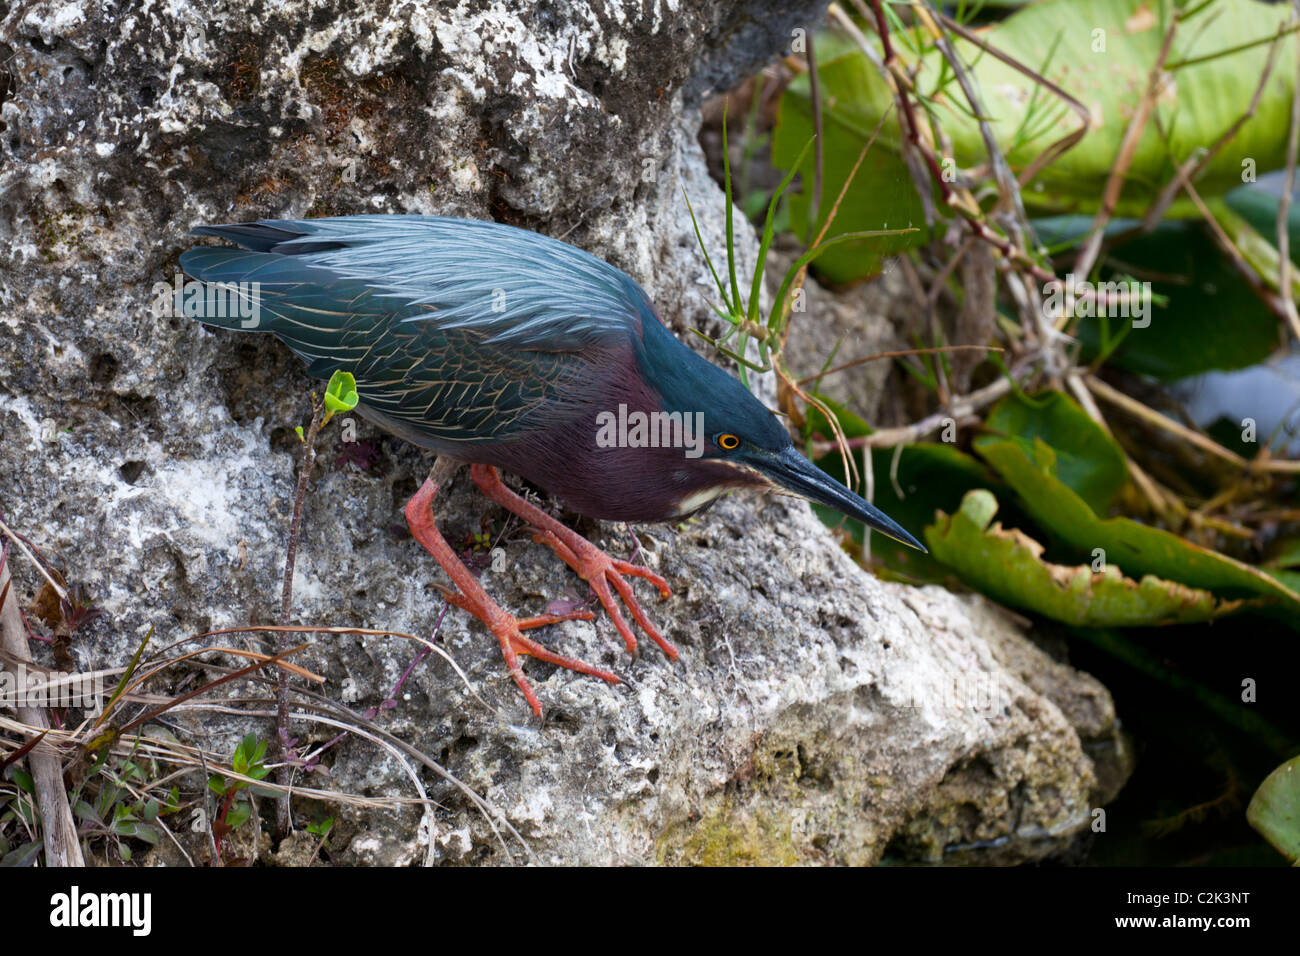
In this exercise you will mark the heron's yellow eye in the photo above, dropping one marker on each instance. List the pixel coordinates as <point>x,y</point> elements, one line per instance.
<point>728,442</point>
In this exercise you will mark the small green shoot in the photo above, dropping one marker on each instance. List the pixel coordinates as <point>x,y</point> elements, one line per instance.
<point>235,806</point>
<point>321,828</point>
<point>340,395</point>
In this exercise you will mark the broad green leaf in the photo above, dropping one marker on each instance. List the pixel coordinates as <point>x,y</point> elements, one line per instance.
<point>1288,579</point>
<point>1007,565</point>
<point>1087,458</point>
<point>927,477</point>
<point>1136,548</point>
<point>1102,51</point>
<point>1275,809</point>
<point>1212,319</point>
<point>882,194</point>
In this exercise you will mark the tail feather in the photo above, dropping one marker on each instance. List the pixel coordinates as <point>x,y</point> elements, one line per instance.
<point>266,285</point>
<point>262,237</point>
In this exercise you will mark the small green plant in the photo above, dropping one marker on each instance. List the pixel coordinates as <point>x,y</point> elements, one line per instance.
<point>323,829</point>
<point>116,807</point>
<point>236,808</point>
<point>743,316</point>
<point>118,801</point>
<point>20,840</point>
<point>340,396</point>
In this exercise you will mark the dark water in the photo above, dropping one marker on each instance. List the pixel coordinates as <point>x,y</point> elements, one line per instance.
<point>1200,750</point>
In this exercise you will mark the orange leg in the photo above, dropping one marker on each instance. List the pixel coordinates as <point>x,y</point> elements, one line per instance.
<point>592,564</point>
<point>472,598</point>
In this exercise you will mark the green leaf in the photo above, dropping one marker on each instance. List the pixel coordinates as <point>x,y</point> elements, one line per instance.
<point>1189,334</point>
<point>882,194</point>
<point>1007,566</point>
<point>1275,809</point>
<point>23,855</point>
<point>1087,458</point>
<point>1201,103</point>
<point>1286,554</point>
<point>927,477</point>
<point>1134,547</point>
<point>1102,52</point>
<point>1259,208</point>
<point>239,812</point>
<point>24,780</point>
<point>341,393</point>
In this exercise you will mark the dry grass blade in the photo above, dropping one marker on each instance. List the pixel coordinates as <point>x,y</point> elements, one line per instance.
<point>1203,442</point>
<point>188,695</point>
<point>236,652</point>
<point>489,811</point>
<point>898,353</point>
<point>369,632</point>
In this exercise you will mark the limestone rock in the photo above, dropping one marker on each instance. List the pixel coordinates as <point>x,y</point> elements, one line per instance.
<point>816,714</point>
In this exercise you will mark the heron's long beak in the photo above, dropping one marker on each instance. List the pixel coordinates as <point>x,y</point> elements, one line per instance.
<point>795,473</point>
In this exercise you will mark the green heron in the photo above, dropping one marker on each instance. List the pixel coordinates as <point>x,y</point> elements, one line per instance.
<point>509,350</point>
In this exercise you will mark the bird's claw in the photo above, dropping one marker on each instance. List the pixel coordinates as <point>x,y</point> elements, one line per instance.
<point>470,596</point>
<point>513,644</point>
<point>601,572</point>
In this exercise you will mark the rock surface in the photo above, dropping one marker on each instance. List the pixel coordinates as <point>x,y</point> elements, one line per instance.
<point>817,714</point>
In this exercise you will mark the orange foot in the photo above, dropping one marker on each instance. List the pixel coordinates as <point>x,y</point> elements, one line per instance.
<point>591,563</point>
<point>472,598</point>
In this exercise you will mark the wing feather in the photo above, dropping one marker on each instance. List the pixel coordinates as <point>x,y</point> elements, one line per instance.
<point>456,330</point>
